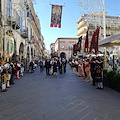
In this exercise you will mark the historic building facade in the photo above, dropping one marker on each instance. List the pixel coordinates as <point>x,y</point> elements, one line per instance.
<point>63,47</point>
<point>20,31</point>
<point>96,20</point>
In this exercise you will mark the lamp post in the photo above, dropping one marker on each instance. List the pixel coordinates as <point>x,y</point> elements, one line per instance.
<point>104,32</point>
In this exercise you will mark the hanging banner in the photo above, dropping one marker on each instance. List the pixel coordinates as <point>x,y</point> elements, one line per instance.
<point>79,44</point>
<point>86,42</point>
<point>94,41</point>
<point>56,14</point>
<point>75,49</point>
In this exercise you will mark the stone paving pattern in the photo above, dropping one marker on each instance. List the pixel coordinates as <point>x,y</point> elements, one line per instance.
<point>38,96</point>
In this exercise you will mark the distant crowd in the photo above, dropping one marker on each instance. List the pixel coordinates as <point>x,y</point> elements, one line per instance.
<point>53,65</point>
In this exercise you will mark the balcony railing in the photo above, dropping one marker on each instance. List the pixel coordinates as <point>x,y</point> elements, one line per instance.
<point>14,20</point>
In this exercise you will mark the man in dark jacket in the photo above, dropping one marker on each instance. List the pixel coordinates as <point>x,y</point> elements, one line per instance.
<point>47,65</point>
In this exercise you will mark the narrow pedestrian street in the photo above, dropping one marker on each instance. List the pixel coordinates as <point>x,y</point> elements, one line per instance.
<point>38,96</point>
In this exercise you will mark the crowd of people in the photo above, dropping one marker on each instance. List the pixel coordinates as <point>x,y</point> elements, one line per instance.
<point>53,65</point>
<point>8,70</point>
<point>91,67</point>
<point>11,69</point>
<point>86,67</point>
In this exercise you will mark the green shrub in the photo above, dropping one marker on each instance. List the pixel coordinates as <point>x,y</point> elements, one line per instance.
<point>105,73</point>
<point>115,69</point>
<point>116,78</point>
<point>110,75</point>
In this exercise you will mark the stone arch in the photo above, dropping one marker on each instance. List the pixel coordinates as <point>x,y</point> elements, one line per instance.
<point>21,52</point>
<point>63,55</point>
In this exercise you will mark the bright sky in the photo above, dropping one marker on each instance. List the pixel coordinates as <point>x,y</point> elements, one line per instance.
<point>70,14</point>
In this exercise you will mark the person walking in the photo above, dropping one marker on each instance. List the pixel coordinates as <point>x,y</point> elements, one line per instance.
<point>76,65</point>
<point>22,69</point>
<point>80,68</point>
<point>31,67</point>
<point>17,67</point>
<point>60,64</point>
<point>55,67</point>
<point>87,69</point>
<point>98,73</point>
<point>12,73</point>
<point>73,66</point>
<point>47,65</point>
<point>64,65</point>
<point>51,65</point>
<point>41,65</point>
<point>92,70</point>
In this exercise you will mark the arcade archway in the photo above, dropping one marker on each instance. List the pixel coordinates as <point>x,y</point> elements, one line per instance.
<point>63,55</point>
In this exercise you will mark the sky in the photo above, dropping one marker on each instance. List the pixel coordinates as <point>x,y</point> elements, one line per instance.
<point>70,14</point>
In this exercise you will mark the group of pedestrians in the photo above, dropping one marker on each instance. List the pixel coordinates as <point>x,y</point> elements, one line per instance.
<point>32,65</point>
<point>53,65</point>
<point>91,67</point>
<point>7,71</point>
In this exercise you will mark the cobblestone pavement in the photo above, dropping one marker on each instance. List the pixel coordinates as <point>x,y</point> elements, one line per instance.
<point>37,96</point>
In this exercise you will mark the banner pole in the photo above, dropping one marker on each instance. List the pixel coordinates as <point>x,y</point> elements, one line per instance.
<point>105,59</point>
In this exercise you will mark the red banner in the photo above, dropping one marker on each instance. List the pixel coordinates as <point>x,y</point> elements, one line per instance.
<point>94,41</point>
<point>56,16</point>
<point>86,42</point>
<point>75,47</point>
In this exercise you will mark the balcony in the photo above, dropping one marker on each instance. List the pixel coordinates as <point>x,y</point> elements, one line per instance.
<point>82,31</point>
<point>81,24</point>
<point>14,20</point>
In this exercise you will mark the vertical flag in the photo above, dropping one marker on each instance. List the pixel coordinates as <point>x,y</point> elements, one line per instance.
<point>94,41</point>
<point>79,44</point>
<point>86,42</point>
<point>56,15</point>
<point>75,49</point>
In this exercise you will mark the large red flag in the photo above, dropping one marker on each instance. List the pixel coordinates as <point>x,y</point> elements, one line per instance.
<point>94,41</point>
<point>86,42</point>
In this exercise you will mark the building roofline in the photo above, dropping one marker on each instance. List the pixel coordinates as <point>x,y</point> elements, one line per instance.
<point>67,38</point>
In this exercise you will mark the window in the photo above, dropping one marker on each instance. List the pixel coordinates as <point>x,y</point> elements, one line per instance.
<point>90,33</point>
<point>9,8</point>
<point>21,23</point>
<point>62,45</point>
